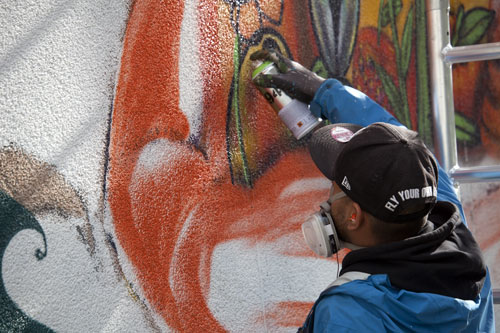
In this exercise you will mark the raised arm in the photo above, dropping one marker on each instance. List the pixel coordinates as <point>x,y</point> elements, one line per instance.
<point>330,99</point>
<point>343,104</point>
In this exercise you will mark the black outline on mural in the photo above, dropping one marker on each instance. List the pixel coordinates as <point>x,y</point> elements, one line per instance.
<point>254,40</point>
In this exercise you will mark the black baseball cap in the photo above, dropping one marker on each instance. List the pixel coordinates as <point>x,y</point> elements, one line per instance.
<point>386,169</point>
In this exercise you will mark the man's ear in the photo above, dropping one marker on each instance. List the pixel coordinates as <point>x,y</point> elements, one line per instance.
<point>357,218</point>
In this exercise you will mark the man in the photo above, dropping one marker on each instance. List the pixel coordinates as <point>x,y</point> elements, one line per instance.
<point>414,265</point>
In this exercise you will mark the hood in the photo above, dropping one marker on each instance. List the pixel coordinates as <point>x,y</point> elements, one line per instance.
<point>443,259</point>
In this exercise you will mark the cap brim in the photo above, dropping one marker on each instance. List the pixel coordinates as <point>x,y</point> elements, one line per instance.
<point>327,143</point>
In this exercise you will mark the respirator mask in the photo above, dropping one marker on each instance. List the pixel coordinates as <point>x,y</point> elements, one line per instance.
<point>319,230</point>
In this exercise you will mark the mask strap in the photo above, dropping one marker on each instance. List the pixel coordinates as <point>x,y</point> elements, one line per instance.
<point>339,244</point>
<point>334,197</point>
<point>325,207</point>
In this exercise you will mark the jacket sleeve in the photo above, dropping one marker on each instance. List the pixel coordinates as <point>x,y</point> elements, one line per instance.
<point>343,104</point>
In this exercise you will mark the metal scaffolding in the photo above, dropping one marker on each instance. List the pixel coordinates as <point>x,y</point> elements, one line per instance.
<point>441,57</point>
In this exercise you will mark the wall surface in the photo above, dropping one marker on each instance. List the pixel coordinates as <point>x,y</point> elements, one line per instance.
<point>146,185</point>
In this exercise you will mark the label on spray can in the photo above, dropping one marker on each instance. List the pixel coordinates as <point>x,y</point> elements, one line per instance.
<point>276,97</point>
<point>293,113</point>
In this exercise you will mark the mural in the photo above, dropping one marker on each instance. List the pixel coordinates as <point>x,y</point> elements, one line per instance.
<point>474,85</point>
<point>201,168</point>
<point>59,272</point>
<point>181,210</point>
<point>15,218</point>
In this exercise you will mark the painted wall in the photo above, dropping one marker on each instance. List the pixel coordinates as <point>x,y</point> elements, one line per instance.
<point>145,185</point>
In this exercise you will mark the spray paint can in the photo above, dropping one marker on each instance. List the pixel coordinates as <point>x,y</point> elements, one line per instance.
<point>293,113</point>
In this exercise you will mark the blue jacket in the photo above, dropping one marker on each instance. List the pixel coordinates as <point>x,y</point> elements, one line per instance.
<point>435,282</point>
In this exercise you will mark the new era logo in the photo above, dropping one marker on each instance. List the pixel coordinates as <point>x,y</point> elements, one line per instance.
<point>341,134</point>
<point>346,184</point>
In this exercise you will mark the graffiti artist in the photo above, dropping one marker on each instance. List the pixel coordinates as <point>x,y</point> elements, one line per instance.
<point>414,266</point>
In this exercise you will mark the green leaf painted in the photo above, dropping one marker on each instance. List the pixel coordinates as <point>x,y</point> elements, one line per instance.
<point>421,60</point>
<point>379,20</point>
<point>458,25</point>
<point>463,136</point>
<point>385,18</point>
<point>464,123</point>
<point>320,69</point>
<point>406,42</point>
<point>240,171</point>
<point>390,89</point>
<point>466,129</point>
<point>476,23</point>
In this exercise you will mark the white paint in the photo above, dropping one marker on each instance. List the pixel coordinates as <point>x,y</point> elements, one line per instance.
<point>305,185</point>
<point>176,262</point>
<point>122,320</point>
<point>155,156</point>
<point>190,80</point>
<point>58,62</point>
<point>64,290</point>
<point>247,280</point>
<point>58,66</point>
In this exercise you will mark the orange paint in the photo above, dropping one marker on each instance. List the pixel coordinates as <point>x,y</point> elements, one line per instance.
<point>367,53</point>
<point>145,108</point>
<point>167,216</point>
<point>171,211</point>
<point>283,314</point>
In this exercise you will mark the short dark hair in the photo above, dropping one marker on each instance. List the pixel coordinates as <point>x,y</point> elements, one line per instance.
<point>386,232</point>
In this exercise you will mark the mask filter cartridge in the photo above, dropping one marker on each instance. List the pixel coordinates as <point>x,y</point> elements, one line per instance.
<point>317,232</point>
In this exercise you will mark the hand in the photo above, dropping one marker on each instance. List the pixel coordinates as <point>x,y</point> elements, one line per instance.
<point>294,79</point>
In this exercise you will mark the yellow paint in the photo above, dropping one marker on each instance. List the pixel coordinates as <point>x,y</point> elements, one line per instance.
<point>468,4</point>
<point>369,12</point>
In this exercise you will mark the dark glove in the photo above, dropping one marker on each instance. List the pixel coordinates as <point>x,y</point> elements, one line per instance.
<point>294,79</point>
